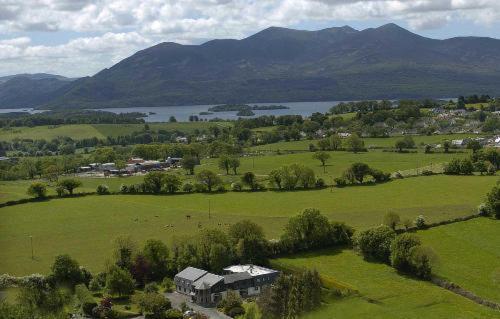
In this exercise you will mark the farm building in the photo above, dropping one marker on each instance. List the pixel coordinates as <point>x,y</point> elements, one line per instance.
<point>208,289</point>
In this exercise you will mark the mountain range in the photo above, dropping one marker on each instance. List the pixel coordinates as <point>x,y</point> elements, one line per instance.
<point>31,90</point>
<point>280,65</point>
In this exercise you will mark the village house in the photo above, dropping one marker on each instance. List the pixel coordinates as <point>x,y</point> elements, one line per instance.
<point>208,289</point>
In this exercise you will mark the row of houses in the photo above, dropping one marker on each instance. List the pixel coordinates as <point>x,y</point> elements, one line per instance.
<point>207,289</point>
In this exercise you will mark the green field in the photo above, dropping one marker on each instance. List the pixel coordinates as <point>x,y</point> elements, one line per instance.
<point>262,165</point>
<point>303,145</point>
<point>383,293</point>
<point>85,227</point>
<point>101,131</point>
<point>468,255</point>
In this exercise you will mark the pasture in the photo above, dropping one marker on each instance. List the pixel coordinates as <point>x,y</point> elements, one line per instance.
<point>262,165</point>
<point>101,131</point>
<point>468,255</point>
<point>85,227</point>
<point>370,142</point>
<point>383,293</point>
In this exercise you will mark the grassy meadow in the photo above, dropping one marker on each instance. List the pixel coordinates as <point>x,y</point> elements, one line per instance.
<point>85,227</point>
<point>370,142</point>
<point>383,293</point>
<point>262,165</point>
<point>101,131</point>
<point>468,255</point>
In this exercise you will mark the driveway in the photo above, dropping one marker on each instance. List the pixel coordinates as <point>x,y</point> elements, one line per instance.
<point>176,299</point>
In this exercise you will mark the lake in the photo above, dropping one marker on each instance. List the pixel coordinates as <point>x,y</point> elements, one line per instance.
<point>182,113</point>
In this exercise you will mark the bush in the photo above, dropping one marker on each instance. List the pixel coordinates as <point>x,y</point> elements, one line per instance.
<point>37,190</point>
<point>151,287</point>
<point>483,210</point>
<point>188,187</point>
<point>173,314</point>
<point>493,201</point>
<point>401,251</point>
<point>95,284</point>
<point>85,298</point>
<point>124,189</point>
<point>168,284</point>
<point>375,243</point>
<point>60,191</point>
<point>200,188</point>
<point>220,188</point>
<point>380,176</point>
<point>320,183</point>
<point>236,187</point>
<point>340,182</point>
<point>102,190</point>
<point>420,222</point>
<point>236,311</point>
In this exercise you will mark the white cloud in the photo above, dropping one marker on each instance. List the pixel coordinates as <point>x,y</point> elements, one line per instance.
<point>123,26</point>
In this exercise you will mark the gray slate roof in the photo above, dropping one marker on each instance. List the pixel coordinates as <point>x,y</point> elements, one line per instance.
<point>231,278</point>
<point>191,273</point>
<point>207,281</point>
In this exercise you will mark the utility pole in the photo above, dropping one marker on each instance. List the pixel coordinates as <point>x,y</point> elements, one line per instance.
<point>31,240</point>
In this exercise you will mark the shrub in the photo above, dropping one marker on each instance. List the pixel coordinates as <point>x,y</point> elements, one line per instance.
<point>401,251</point>
<point>483,210</point>
<point>173,314</point>
<point>151,287</point>
<point>188,187</point>
<point>453,167</point>
<point>320,183</point>
<point>380,176</point>
<point>420,222</point>
<point>391,219</point>
<point>236,311</point>
<point>37,190</point>
<point>236,187</point>
<point>60,191</point>
<point>102,190</point>
<point>85,299</point>
<point>200,188</point>
<point>123,189</point>
<point>168,284</point>
<point>493,201</point>
<point>220,188</point>
<point>340,181</point>
<point>230,302</point>
<point>95,284</point>
<point>69,184</point>
<point>420,261</point>
<point>375,243</point>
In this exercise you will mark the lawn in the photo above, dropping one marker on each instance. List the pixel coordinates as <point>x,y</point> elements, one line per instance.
<point>85,227</point>
<point>468,255</point>
<point>383,293</point>
<point>101,131</point>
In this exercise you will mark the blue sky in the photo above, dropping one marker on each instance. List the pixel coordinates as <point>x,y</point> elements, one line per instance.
<point>80,37</point>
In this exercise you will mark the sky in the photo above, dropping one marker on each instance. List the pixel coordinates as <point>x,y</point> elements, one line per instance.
<point>78,38</point>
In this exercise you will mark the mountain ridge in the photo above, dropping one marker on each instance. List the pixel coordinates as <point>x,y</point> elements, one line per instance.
<point>281,64</point>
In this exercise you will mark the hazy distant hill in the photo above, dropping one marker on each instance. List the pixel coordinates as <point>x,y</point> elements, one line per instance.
<point>278,64</point>
<point>30,90</point>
